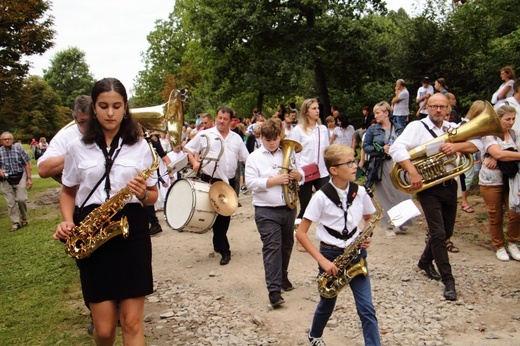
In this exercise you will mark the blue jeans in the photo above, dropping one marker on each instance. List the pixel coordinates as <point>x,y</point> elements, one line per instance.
<point>362,292</point>
<point>399,120</point>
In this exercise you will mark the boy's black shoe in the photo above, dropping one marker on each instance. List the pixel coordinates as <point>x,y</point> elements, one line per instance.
<point>430,271</point>
<point>155,229</point>
<point>226,257</point>
<point>287,285</point>
<point>449,291</point>
<point>276,299</point>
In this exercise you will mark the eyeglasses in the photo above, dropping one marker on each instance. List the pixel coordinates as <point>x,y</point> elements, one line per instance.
<point>349,164</point>
<point>7,139</point>
<point>442,107</point>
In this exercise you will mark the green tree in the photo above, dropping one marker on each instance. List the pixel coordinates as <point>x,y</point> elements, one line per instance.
<point>69,75</point>
<point>25,29</point>
<point>41,114</point>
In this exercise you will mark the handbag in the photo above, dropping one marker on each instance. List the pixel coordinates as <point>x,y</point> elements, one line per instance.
<point>312,171</point>
<point>509,168</point>
<point>14,179</point>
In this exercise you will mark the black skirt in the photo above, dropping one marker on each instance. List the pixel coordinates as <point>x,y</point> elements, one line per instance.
<point>121,268</point>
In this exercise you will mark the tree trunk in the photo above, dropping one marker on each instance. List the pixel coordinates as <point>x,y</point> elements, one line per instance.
<point>323,92</point>
<point>260,100</point>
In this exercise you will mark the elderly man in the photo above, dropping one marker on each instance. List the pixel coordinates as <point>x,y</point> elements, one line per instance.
<point>223,170</point>
<point>439,202</point>
<point>15,176</point>
<point>51,163</point>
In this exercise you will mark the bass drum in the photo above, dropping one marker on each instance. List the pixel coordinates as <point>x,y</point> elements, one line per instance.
<point>187,206</point>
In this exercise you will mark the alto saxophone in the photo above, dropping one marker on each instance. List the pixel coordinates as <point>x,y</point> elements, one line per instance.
<point>329,286</point>
<point>96,229</point>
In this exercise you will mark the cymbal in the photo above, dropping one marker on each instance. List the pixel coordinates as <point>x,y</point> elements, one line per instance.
<point>223,198</point>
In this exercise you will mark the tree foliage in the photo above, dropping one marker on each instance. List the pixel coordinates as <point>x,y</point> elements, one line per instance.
<point>42,114</point>
<point>25,30</point>
<point>69,75</point>
<point>348,53</point>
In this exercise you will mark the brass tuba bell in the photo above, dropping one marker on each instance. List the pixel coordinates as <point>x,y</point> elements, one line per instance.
<point>290,190</point>
<point>440,167</point>
<point>167,118</point>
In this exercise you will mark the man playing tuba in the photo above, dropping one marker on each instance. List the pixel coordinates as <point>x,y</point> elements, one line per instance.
<point>439,202</point>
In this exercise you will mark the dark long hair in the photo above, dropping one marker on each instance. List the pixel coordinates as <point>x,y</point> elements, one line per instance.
<point>129,130</point>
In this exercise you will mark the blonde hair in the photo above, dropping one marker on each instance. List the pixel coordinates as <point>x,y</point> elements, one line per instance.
<point>303,121</point>
<point>332,154</point>
<point>505,109</point>
<point>476,108</point>
<point>384,106</point>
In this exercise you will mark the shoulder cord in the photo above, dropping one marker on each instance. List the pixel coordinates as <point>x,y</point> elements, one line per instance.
<point>109,161</point>
<point>332,194</point>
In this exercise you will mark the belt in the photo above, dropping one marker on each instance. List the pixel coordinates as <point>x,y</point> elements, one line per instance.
<point>448,182</point>
<point>207,178</point>
<point>278,207</point>
<point>330,247</point>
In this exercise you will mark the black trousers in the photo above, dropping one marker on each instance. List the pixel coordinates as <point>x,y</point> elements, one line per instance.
<point>439,205</point>
<point>305,193</point>
<point>221,225</point>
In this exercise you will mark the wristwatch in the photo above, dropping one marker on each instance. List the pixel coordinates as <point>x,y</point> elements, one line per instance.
<point>146,194</point>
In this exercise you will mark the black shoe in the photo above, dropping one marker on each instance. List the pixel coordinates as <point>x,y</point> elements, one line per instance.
<point>155,229</point>
<point>276,299</point>
<point>449,291</point>
<point>226,257</point>
<point>287,285</point>
<point>430,271</point>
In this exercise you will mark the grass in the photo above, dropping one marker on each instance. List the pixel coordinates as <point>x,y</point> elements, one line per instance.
<point>40,296</point>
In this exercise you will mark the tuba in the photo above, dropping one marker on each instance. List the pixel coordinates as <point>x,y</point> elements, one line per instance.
<point>290,190</point>
<point>167,118</point>
<point>97,227</point>
<point>440,167</point>
<point>329,286</point>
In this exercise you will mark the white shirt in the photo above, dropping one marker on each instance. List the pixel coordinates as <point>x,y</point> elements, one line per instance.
<point>344,136</point>
<point>422,91</point>
<point>59,143</point>
<point>416,134</point>
<point>322,210</point>
<point>85,165</point>
<point>309,142</point>
<point>510,93</point>
<point>260,166</point>
<point>234,150</point>
<point>514,103</point>
<point>401,107</point>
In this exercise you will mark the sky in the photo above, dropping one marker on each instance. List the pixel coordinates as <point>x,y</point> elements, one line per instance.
<point>112,34</point>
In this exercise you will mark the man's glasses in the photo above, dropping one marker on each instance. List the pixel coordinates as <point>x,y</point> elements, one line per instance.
<point>349,164</point>
<point>442,107</point>
<point>7,139</point>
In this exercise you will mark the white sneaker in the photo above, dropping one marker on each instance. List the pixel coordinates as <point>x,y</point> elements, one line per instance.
<point>297,223</point>
<point>513,250</point>
<point>316,341</point>
<point>502,254</point>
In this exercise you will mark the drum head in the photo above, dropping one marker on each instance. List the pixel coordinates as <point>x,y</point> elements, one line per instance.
<point>180,204</point>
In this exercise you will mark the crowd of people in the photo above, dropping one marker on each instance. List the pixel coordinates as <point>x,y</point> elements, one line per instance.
<point>105,150</point>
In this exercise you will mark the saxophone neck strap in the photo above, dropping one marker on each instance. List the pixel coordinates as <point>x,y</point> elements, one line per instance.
<point>110,157</point>
<point>330,191</point>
